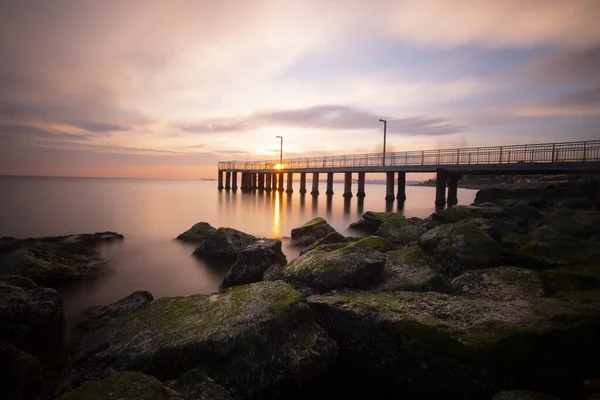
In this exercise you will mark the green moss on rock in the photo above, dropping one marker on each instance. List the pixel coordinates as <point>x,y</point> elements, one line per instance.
<point>311,231</point>
<point>579,296</point>
<point>376,243</point>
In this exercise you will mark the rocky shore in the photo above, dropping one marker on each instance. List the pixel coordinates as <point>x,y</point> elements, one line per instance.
<point>497,300</point>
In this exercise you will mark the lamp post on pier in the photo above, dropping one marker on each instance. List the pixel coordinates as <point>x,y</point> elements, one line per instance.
<point>280,151</point>
<point>384,135</point>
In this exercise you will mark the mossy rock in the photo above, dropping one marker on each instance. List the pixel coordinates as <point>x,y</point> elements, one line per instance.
<point>571,223</point>
<point>437,345</point>
<point>579,296</point>
<point>371,221</point>
<point>559,280</point>
<point>195,384</point>
<point>253,339</point>
<point>223,245</point>
<point>312,231</point>
<point>20,373</point>
<point>253,261</point>
<point>455,214</point>
<point>412,269</point>
<point>124,386</point>
<point>529,251</point>
<point>330,238</point>
<point>197,233</point>
<point>377,243</point>
<point>502,283</point>
<point>522,395</point>
<point>399,232</point>
<point>336,266</point>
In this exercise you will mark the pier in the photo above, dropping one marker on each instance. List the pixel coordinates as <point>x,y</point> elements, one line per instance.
<point>448,164</point>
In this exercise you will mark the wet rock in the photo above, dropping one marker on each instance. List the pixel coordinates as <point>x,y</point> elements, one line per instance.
<point>197,233</point>
<point>335,266</point>
<point>559,280</point>
<point>254,340</point>
<point>330,238</point>
<point>460,213</point>
<point>19,281</point>
<point>579,224</point>
<point>400,233</point>
<point>429,240</point>
<point>371,221</point>
<point>502,283</point>
<point>311,231</point>
<point>522,395</point>
<point>20,373</point>
<point>223,245</point>
<point>412,270</point>
<point>434,345</point>
<point>377,243</point>
<point>253,261</point>
<point>31,319</point>
<point>523,215</point>
<point>195,384</point>
<point>579,296</point>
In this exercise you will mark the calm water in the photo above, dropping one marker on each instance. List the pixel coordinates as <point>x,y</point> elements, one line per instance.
<point>150,213</point>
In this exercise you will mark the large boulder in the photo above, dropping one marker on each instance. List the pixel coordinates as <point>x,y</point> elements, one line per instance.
<point>254,340</point>
<point>335,266</point>
<point>310,232</point>
<point>32,319</point>
<point>579,224</point>
<point>197,233</point>
<point>397,231</point>
<point>411,269</point>
<point>502,283</point>
<point>330,238</point>
<point>459,213</point>
<point>434,345</point>
<point>196,385</point>
<point>569,279</point>
<point>223,245</point>
<point>20,373</point>
<point>253,261</point>
<point>371,221</point>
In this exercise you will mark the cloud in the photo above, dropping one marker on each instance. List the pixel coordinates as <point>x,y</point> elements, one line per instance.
<point>582,65</point>
<point>327,117</point>
<point>24,132</point>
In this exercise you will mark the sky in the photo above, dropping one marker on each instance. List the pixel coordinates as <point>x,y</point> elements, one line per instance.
<point>166,89</point>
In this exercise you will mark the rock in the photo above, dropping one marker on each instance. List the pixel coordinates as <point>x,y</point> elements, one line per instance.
<point>19,281</point>
<point>253,261</point>
<point>398,232</point>
<point>335,266</point>
<point>579,224</point>
<point>197,233</point>
<point>429,240</point>
<point>522,395</point>
<point>330,238</point>
<point>310,232</point>
<point>522,215</point>
<point>31,319</point>
<point>20,374</point>
<point>195,384</point>
<point>559,280</point>
<point>377,243</point>
<point>434,345</point>
<point>574,203</point>
<point>254,340</point>
<point>502,283</point>
<point>460,213</point>
<point>223,245</point>
<point>371,221</point>
<point>579,296</point>
<point>411,270</point>
<point>124,386</point>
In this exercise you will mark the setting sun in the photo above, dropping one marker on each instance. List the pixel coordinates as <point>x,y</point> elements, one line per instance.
<point>278,166</point>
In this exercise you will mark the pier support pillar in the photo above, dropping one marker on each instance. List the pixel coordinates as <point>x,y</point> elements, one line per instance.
<point>348,184</point>
<point>290,177</point>
<point>234,185</point>
<point>329,191</point>
<point>302,182</point>
<point>401,196</point>
<point>315,184</point>
<point>361,185</point>
<point>253,181</point>
<point>273,181</point>
<point>227,180</point>
<point>453,189</point>
<point>261,181</point>
<point>389,186</point>
<point>280,185</point>
<point>244,181</point>
<point>220,187</point>
<point>440,188</point>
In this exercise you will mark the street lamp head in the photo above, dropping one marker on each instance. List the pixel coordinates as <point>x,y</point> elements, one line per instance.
<point>382,120</point>
<point>279,137</point>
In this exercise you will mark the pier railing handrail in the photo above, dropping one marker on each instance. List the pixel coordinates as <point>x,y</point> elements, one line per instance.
<point>563,152</point>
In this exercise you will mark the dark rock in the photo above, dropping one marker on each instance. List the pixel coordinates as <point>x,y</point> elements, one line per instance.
<point>335,266</point>
<point>330,238</point>
<point>223,245</point>
<point>460,213</point>
<point>376,243</point>
<point>371,221</point>
<point>398,232</point>
<point>522,215</point>
<point>434,345</point>
<point>197,233</point>
<point>33,320</point>
<point>254,340</point>
<point>411,270</point>
<point>253,261</point>
<point>502,283</point>
<point>195,384</point>
<point>20,374</point>
<point>311,231</point>
<point>559,280</point>
<point>579,296</point>
<point>579,224</point>
<point>19,281</point>
<point>522,395</point>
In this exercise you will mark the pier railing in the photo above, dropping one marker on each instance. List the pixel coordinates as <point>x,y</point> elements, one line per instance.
<point>565,152</point>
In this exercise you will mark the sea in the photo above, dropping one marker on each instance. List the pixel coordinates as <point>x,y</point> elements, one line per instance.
<point>150,213</point>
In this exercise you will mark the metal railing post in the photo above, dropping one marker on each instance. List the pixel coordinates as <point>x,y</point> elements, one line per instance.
<point>457,156</point>
<point>584,151</point>
<point>553,149</point>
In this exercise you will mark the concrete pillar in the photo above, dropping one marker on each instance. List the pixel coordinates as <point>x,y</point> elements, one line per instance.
<point>227,180</point>
<point>329,191</point>
<point>302,182</point>
<point>401,186</point>
<point>273,181</point>
<point>361,185</point>
<point>290,178</point>
<point>244,181</point>
<point>389,186</point>
<point>453,189</point>
<point>261,181</point>
<point>348,184</point>
<point>440,188</point>
<point>315,184</point>
<point>280,185</point>
<point>220,187</point>
<point>253,181</point>
<point>234,185</point>
<point>268,182</point>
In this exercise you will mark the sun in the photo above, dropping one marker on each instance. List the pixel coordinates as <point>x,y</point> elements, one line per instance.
<point>278,166</point>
